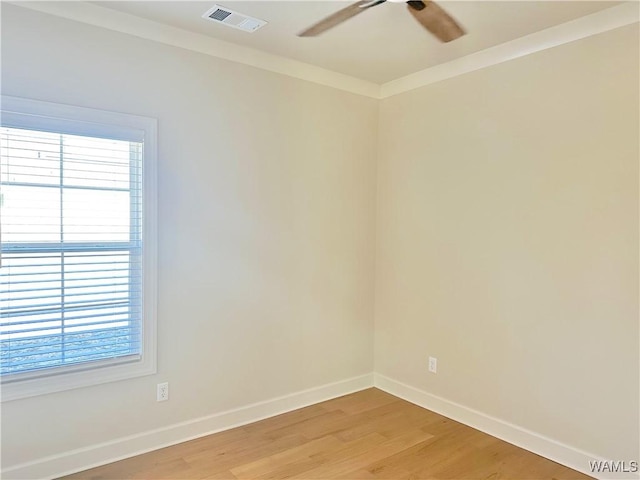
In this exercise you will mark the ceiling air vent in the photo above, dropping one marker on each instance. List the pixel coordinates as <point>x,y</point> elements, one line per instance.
<point>233,19</point>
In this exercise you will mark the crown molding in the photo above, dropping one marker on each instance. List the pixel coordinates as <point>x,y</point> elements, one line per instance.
<point>130,24</point>
<point>593,24</point>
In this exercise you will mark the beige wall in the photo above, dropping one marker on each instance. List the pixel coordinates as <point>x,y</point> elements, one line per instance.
<point>266,215</point>
<point>507,242</point>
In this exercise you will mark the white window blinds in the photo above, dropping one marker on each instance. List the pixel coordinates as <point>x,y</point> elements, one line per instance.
<point>72,241</point>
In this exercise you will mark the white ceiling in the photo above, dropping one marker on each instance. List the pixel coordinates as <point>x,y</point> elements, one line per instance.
<point>380,45</point>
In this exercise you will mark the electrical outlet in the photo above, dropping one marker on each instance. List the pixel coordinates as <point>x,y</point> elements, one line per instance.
<point>433,364</point>
<point>162,392</point>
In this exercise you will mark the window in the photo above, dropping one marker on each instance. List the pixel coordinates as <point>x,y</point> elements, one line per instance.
<point>77,224</point>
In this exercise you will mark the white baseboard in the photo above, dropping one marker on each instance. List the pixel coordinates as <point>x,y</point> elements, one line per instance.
<point>521,437</point>
<point>103,453</point>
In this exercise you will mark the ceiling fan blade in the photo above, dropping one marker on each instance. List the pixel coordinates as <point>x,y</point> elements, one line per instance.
<point>432,17</point>
<point>339,17</point>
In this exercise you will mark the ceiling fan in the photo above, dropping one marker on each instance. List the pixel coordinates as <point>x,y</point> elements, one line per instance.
<point>429,14</point>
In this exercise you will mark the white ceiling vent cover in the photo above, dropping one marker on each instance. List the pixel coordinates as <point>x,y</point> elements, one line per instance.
<point>225,16</point>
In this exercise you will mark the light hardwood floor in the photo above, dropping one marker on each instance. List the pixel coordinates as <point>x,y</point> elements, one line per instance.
<point>365,435</point>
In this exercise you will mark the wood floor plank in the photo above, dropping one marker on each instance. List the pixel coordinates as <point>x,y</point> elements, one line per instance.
<point>226,475</point>
<point>366,435</point>
<point>365,400</point>
<point>256,447</point>
<point>387,448</point>
<point>286,419</point>
<point>357,475</point>
<point>258,468</point>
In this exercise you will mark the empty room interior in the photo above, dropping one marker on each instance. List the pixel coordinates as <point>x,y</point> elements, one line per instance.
<point>320,239</point>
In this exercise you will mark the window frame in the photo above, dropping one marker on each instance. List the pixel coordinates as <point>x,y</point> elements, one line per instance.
<point>38,115</point>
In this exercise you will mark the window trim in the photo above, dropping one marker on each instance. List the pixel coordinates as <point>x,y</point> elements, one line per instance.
<point>34,114</point>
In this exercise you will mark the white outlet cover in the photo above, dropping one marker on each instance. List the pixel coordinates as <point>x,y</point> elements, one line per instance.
<point>433,364</point>
<point>162,392</point>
